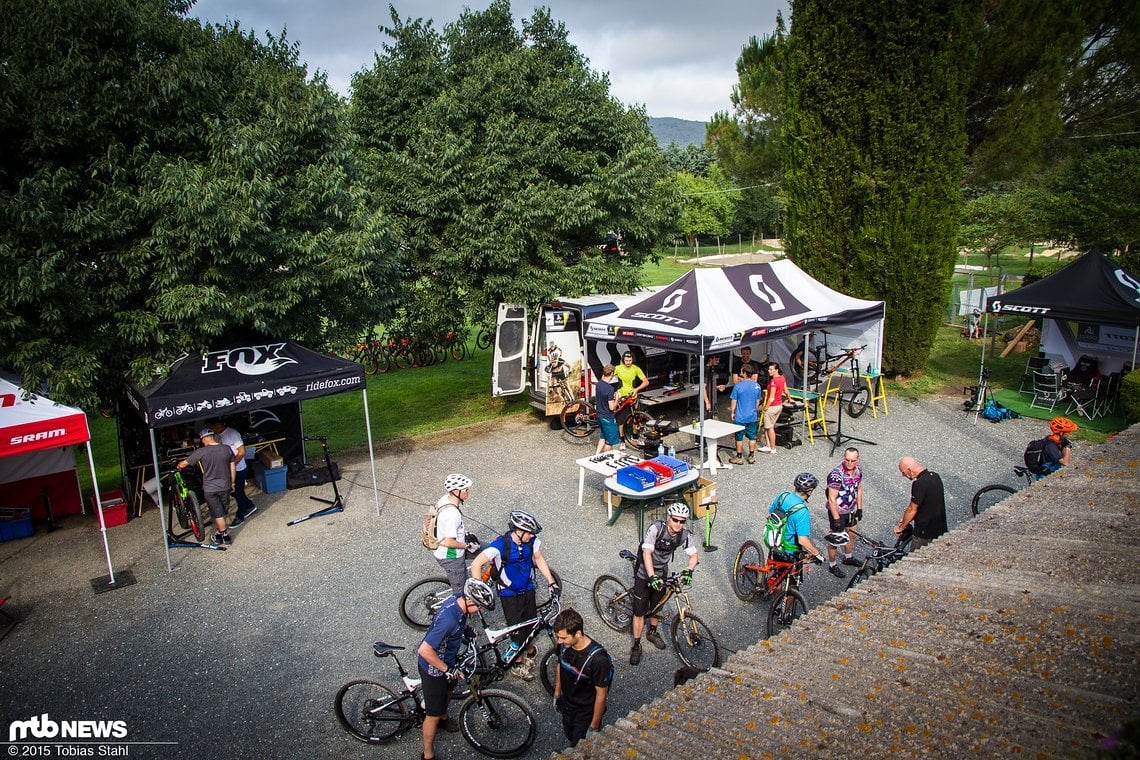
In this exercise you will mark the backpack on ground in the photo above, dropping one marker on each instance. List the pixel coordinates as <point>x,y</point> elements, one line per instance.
<point>777,520</point>
<point>1035,456</point>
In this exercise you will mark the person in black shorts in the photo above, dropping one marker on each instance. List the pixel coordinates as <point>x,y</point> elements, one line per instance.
<point>661,540</point>
<point>439,653</point>
<point>927,507</point>
<point>216,463</point>
<point>582,682</point>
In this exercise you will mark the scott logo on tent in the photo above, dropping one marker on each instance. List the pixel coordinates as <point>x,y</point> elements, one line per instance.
<point>999,308</point>
<point>673,301</point>
<point>247,360</point>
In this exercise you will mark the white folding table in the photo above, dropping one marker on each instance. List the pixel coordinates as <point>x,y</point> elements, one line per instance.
<point>713,429</point>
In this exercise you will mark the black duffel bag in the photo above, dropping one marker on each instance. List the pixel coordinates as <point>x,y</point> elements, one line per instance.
<point>312,476</point>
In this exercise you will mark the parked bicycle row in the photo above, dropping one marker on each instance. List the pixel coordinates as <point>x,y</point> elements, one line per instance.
<point>391,352</point>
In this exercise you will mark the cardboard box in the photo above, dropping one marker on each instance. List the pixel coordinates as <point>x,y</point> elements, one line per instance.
<point>15,523</point>
<point>702,497</point>
<point>270,461</point>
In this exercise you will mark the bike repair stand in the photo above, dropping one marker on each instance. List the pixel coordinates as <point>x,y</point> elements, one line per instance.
<point>336,504</point>
<point>838,438</point>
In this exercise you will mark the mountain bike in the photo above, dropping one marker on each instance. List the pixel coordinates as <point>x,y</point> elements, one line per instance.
<point>775,579</point>
<point>820,365</point>
<point>493,666</point>
<point>692,639</point>
<point>183,504</point>
<point>987,496</point>
<point>421,600</point>
<point>580,419</point>
<point>494,722</point>
<point>881,555</point>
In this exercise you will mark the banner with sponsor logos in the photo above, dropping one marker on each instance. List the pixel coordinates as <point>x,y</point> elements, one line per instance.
<point>29,422</point>
<point>240,376</point>
<point>719,309</point>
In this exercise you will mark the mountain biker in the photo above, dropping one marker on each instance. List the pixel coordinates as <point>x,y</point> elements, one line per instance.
<point>515,554</point>
<point>844,507</point>
<point>216,462</point>
<point>797,529</point>
<point>1058,450</point>
<point>604,404</point>
<point>451,554</point>
<point>439,652</point>
<point>582,681</point>
<point>633,381</point>
<point>927,507</point>
<point>662,539</point>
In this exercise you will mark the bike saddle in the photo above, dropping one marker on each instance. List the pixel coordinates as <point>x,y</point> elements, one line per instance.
<point>380,649</point>
<point>627,554</point>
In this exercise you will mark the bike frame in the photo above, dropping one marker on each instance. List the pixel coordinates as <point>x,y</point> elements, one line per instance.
<point>542,622</point>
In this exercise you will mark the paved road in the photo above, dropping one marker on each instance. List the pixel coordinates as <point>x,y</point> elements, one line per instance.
<point>239,654</point>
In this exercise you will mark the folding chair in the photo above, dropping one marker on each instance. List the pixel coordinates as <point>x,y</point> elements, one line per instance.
<point>1033,364</point>
<point>1108,393</point>
<point>1047,390</point>
<point>1082,399</point>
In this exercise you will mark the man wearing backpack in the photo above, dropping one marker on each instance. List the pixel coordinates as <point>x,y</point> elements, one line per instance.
<point>794,539</point>
<point>661,540</point>
<point>582,681</point>
<point>515,555</point>
<point>451,553</point>
<point>927,507</point>
<point>1058,451</point>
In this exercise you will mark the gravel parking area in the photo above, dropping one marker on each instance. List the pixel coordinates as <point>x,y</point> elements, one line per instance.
<point>240,653</point>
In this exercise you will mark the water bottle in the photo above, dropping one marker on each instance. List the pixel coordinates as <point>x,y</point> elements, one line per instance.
<point>661,449</point>
<point>673,452</point>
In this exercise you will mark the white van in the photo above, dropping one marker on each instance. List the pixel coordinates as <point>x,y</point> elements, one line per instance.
<point>549,353</point>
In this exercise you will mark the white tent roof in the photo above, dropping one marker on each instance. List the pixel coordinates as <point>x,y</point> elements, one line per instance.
<point>717,309</point>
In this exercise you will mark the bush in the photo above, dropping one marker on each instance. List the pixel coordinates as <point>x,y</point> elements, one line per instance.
<point>1042,268</point>
<point>1130,396</point>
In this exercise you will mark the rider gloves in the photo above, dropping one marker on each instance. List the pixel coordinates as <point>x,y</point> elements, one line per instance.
<point>858,514</point>
<point>836,523</point>
<point>686,577</point>
<point>656,583</point>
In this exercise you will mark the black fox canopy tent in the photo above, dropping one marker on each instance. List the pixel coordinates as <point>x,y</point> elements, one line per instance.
<point>1093,291</point>
<point>244,375</point>
<point>710,310</point>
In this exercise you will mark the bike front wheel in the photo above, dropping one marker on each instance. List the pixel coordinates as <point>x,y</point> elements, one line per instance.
<point>788,606</point>
<point>371,712</point>
<point>542,588</point>
<point>860,575</point>
<point>549,670</point>
<point>613,603</point>
<point>746,577</point>
<point>497,723</point>
<point>578,419</point>
<point>422,600</point>
<point>695,643</point>
<point>988,496</point>
<point>859,401</point>
<point>189,514</point>
<point>799,367</point>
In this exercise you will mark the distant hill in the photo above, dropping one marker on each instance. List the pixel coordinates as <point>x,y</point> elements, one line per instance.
<point>681,131</point>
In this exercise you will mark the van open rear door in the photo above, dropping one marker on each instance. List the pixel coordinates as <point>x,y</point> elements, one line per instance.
<point>508,371</point>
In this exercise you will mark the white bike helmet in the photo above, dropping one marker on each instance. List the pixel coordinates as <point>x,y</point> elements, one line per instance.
<point>456,482</point>
<point>480,593</point>
<point>679,509</point>
<point>837,538</point>
<point>524,521</point>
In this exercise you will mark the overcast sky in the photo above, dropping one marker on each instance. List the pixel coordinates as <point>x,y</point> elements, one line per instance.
<point>676,58</point>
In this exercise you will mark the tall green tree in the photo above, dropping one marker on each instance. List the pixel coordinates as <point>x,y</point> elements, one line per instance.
<point>506,161</point>
<point>162,184</point>
<point>874,143</point>
<point>709,204</point>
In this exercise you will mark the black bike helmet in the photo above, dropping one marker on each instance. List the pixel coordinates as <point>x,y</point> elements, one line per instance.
<point>805,482</point>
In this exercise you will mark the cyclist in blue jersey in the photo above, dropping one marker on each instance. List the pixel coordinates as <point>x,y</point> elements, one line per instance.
<point>514,555</point>
<point>797,529</point>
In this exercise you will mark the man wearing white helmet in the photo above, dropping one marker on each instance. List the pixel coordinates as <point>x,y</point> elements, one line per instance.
<point>515,555</point>
<point>449,529</point>
<point>661,540</point>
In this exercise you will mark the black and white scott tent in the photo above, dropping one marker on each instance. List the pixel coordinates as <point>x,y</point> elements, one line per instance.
<point>711,310</point>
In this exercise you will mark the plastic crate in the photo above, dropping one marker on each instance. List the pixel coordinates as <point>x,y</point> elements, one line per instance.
<point>636,478</point>
<point>114,508</point>
<point>15,523</point>
<point>663,473</point>
<point>678,466</point>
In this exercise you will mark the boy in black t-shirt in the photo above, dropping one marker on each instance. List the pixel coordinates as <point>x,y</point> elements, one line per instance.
<point>585,672</point>
<point>927,507</point>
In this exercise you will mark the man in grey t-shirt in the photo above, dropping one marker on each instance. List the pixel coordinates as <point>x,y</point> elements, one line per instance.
<point>215,462</point>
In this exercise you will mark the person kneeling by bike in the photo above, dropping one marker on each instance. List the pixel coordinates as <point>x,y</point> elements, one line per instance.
<point>661,540</point>
<point>439,652</point>
<point>515,554</point>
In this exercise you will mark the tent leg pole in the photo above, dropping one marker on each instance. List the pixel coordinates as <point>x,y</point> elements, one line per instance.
<point>371,452</point>
<point>161,506</point>
<point>702,449</point>
<point>99,511</point>
<point>1135,342</point>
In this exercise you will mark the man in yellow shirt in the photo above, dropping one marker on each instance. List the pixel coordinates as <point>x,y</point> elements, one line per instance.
<point>633,380</point>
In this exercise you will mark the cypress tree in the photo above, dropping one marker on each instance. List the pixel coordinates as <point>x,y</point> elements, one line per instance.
<point>874,148</point>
